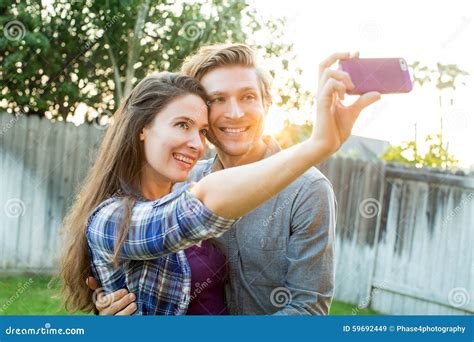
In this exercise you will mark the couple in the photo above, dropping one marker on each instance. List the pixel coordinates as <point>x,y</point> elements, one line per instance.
<point>253,221</point>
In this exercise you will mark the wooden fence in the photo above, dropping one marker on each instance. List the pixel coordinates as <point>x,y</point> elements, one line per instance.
<point>405,237</point>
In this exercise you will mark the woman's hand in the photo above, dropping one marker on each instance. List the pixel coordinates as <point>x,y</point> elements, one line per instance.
<point>334,121</point>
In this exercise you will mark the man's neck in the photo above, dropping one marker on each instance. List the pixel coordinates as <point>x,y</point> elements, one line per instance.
<point>256,153</point>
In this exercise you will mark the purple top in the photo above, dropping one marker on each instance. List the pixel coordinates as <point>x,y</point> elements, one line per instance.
<point>208,272</point>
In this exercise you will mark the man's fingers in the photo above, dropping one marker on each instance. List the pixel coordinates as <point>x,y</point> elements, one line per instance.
<point>103,301</point>
<point>355,55</point>
<point>332,59</point>
<point>131,308</point>
<point>338,75</point>
<point>92,283</point>
<point>331,87</point>
<point>365,100</point>
<point>119,305</point>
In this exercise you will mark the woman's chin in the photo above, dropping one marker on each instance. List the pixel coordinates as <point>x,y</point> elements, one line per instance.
<point>181,177</point>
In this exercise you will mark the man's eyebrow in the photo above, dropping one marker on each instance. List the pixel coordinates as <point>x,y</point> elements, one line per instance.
<point>214,93</point>
<point>219,92</point>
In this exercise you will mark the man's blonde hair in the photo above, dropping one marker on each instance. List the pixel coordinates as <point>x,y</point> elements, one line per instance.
<point>214,56</point>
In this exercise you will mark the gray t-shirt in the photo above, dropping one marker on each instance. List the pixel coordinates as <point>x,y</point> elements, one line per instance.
<point>280,256</point>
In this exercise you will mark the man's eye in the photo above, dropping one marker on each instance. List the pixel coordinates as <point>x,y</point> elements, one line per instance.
<point>183,125</point>
<point>249,97</point>
<point>217,100</point>
<point>204,132</point>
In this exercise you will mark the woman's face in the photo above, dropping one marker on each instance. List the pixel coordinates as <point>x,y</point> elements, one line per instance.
<point>174,141</point>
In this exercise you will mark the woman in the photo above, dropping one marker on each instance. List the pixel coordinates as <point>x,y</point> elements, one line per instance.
<point>135,229</point>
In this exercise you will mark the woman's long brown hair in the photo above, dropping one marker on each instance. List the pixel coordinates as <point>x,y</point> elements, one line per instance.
<point>116,172</point>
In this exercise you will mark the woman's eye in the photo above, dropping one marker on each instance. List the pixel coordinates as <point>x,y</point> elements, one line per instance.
<point>204,132</point>
<point>183,125</point>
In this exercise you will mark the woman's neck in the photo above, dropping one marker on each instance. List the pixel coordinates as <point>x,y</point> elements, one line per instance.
<point>153,187</point>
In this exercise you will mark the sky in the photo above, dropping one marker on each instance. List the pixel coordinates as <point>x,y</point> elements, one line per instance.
<point>430,32</point>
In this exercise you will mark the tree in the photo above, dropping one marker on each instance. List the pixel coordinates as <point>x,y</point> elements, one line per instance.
<point>437,155</point>
<point>55,57</point>
<point>444,77</point>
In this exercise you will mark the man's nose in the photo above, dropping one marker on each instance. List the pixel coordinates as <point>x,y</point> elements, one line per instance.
<point>234,111</point>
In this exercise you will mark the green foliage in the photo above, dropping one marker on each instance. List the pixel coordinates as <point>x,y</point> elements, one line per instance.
<point>444,76</point>
<point>93,52</point>
<point>437,155</point>
<point>292,134</point>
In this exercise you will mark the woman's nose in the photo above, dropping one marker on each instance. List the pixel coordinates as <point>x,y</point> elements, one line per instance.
<point>196,142</point>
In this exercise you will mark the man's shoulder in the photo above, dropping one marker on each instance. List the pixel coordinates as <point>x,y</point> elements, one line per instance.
<point>200,169</point>
<point>309,188</point>
<point>313,178</point>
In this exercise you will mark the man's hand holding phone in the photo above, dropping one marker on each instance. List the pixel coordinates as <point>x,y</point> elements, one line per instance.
<point>334,121</point>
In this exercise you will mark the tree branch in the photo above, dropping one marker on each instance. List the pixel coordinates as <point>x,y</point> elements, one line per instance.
<point>115,67</point>
<point>134,45</point>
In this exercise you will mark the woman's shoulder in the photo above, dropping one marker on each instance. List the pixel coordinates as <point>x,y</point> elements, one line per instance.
<point>110,210</point>
<point>107,209</point>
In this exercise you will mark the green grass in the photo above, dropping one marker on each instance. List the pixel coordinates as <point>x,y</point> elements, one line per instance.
<point>40,295</point>
<point>31,295</point>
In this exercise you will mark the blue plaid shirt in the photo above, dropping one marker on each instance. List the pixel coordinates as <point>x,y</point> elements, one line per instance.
<point>154,265</point>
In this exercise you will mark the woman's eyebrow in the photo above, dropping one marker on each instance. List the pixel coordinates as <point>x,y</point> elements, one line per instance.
<point>189,120</point>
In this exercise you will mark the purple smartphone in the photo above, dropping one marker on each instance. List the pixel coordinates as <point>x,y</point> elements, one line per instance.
<point>385,75</point>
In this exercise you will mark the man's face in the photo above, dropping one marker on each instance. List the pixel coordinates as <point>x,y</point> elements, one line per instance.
<point>236,116</point>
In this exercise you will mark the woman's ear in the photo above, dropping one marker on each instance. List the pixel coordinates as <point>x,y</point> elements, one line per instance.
<point>143,134</point>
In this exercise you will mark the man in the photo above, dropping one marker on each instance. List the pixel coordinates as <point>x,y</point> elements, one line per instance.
<point>281,255</point>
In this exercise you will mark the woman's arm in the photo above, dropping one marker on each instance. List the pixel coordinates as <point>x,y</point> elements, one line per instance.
<point>156,228</point>
<point>234,192</point>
